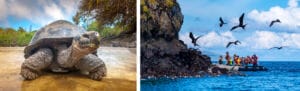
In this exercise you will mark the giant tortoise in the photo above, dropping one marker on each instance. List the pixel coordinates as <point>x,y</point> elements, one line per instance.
<point>62,47</point>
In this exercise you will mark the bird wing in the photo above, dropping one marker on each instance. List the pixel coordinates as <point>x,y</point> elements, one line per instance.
<point>234,27</point>
<point>242,19</point>
<point>228,44</point>
<point>271,24</point>
<point>198,37</point>
<point>278,20</point>
<point>237,41</point>
<point>274,47</point>
<point>192,36</point>
<point>221,20</point>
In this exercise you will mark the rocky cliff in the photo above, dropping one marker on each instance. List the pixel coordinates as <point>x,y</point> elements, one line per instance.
<point>162,53</point>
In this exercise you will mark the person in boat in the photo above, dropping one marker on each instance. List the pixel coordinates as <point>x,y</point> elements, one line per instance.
<point>230,62</point>
<point>243,61</point>
<point>249,61</point>
<point>254,60</point>
<point>227,57</point>
<point>221,60</point>
<point>235,58</point>
<point>246,61</point>
<point>238,61</point>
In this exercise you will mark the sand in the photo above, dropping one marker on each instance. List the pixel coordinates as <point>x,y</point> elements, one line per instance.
<point>120,62</point>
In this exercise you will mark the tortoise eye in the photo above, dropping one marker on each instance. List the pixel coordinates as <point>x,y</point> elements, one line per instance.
<point>97,34</point>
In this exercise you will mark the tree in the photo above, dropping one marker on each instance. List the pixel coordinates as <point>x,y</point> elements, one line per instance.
<point>108,13</point>
<point>22,30</point>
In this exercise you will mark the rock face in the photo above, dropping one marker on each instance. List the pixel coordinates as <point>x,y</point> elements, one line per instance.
<point>162,53</point>
<point>122,40</point>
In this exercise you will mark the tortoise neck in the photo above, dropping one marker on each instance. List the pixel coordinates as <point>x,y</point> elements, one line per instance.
<point>68,56</point>
<point>75,53</point>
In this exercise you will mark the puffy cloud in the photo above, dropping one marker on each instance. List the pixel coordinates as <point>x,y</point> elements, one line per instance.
<point>289,16</point>
<point>38,12</point>
<point>2,9</point>
<point>263,40</point>
<point>268,39</point>
<point>3,13</point>
<point>54,11</point>
<point>293,3</point>
<point>291,40</point>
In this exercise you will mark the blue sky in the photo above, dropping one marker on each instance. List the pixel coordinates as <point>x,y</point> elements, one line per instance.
<point>202,17</point>
<point>35,13</point>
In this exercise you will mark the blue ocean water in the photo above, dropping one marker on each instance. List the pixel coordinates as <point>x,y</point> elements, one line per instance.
<point>281,76</point>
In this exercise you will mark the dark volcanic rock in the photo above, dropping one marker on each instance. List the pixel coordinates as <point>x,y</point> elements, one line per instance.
<point>162,53</point>
<point>122,40</point>
<point>217,70</point>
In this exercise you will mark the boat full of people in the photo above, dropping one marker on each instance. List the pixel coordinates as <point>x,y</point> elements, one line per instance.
<point>248,63</point>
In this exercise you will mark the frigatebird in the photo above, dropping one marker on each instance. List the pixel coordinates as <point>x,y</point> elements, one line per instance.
<point>194,40</point>
<point>221,22</point>
<point>274,21</point>
<point>279,48</point>
<point>234,42</point>
<point>241,23</point>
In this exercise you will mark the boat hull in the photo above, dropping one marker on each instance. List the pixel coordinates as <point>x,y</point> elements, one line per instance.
<point>252,68</point>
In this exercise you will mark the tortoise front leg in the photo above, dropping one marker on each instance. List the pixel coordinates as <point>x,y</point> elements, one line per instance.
<point>32,66</point>
<point>94,65</point>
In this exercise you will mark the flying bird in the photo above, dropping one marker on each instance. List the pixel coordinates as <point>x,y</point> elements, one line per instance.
<point>194,40</point>
<point>274,21</point>
<point>234,42</point>
<point>241,23</point>
<point>279,48</point>
<point>221,22</point>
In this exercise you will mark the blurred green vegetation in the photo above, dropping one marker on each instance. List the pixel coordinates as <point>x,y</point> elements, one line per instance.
<point>108,17</point>
<point>105,31</point>
<point>15,37</point>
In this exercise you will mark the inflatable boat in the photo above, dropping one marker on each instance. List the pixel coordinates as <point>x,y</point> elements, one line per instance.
<point>242,68</point>
<point>252,68</point>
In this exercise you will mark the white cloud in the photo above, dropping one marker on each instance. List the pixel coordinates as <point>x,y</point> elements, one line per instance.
<point>19,10</point>
<point>3,14</point>
<point>293,3</point>
<point>268,39</point>
<point>291,40</point>
<point>2,9</point>
<point>263,40</point>
<point>69,6</point>
<point>39,12</point>
<point>54,11</point>
<point>289,16</point>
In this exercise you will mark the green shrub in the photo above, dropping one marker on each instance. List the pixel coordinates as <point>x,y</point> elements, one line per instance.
<point>11,37</point>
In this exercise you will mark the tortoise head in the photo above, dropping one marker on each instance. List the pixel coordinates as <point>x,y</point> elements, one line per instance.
<point>89,40</point>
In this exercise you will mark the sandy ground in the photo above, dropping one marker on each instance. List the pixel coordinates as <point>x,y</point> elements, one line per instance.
<point>120,62</point>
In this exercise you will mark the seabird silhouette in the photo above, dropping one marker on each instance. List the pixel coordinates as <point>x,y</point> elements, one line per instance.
<point>274,21</point>
<point>194,40</point>
<point>234,42</point>
<point>241,23</point>
<point>221,22</point>
<point>279,48</point>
